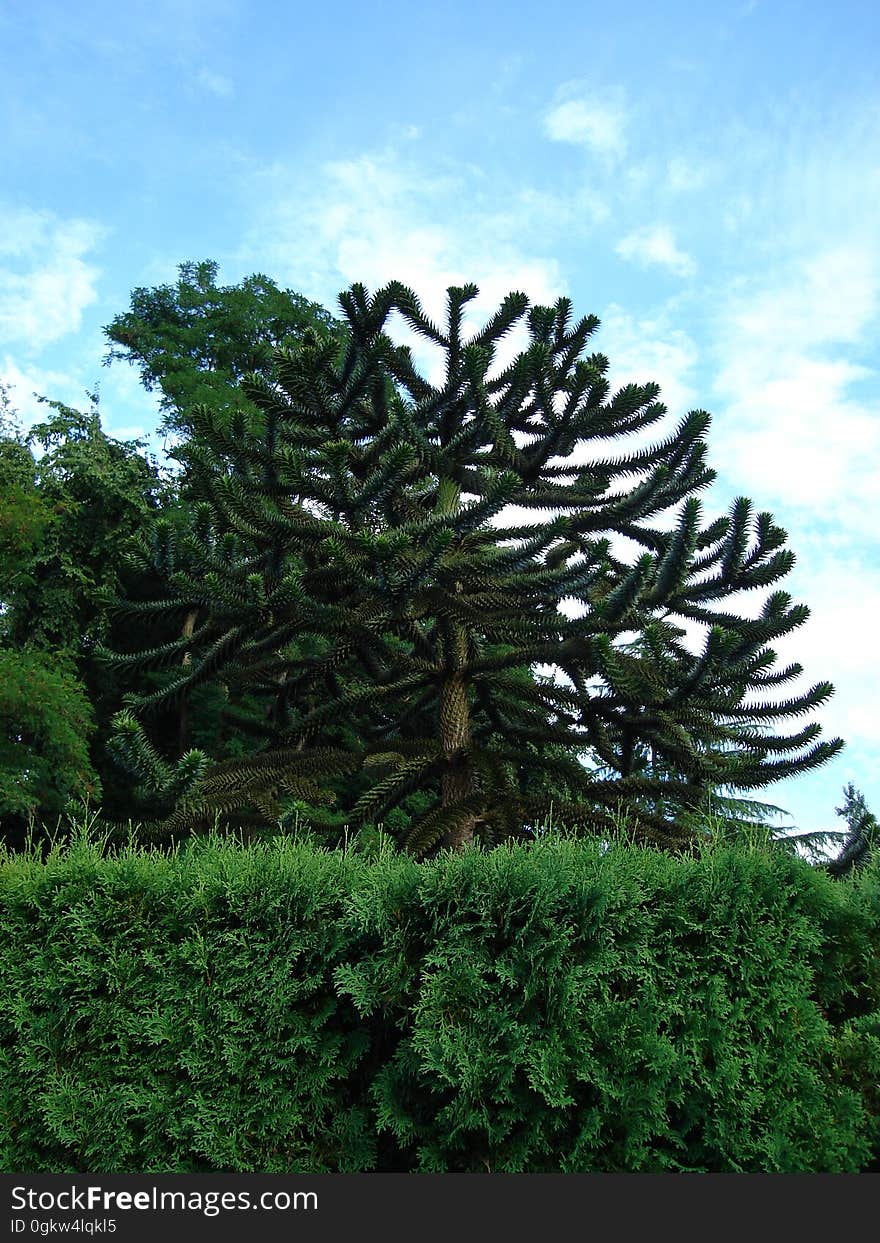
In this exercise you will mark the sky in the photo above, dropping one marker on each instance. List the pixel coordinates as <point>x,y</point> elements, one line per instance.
<point>704,178</point>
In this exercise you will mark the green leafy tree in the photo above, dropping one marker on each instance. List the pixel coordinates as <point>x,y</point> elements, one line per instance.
<point>91,494</point>
<point>355,506</point>
<point>72,499</point>
<point>75,498</point>
<point>24,516</point>
<point>45,723</point>
<point>194,341</point>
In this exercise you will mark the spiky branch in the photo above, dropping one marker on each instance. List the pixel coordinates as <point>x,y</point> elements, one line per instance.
<point>388,584</point>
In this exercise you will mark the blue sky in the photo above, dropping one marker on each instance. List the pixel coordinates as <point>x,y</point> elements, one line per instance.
<point>704,178</point>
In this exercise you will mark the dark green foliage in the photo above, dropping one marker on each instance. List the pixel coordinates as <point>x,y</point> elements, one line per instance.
<point>45,725</point>
<point>194,340</point>
<point>863,833</point>
<point>24,515</point>
<point>557,1007</point>
<point>90,493</point>
<point>353,565</point>
<point>71,499</point>
<point>568,1011</point>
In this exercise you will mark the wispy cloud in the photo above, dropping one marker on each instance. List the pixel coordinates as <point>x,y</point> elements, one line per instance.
<point>654,245</point>
<point>827,299</point>
<point>27,384</point>
<point>685,175</point>
<point>794,423</point>
<point>214,83</point>
<point>46,280</point>
<point>379,217</point>
<point>585,118</point>
<point>798,428</point>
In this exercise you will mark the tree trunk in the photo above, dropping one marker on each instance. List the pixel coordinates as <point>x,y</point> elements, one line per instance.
<point>457,782</point>
<point>189,626</point>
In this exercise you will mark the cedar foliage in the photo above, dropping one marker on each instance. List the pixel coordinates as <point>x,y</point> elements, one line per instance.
<point>528,1009</point>
<point>354,565</point>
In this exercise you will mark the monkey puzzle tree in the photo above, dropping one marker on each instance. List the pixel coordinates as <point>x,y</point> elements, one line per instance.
<point>360,572</point>
<point>191,342</point>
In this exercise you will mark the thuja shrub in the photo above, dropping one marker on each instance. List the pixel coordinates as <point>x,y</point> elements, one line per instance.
<point>848,981</point>
<point>561,1006</point>
<point>179,1013</point>
<point>573,1010</point>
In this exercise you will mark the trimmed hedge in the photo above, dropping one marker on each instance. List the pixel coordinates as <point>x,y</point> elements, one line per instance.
<point>557,1007</point>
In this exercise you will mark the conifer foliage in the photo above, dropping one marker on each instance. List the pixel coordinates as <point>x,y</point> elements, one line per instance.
<point>385,565</point>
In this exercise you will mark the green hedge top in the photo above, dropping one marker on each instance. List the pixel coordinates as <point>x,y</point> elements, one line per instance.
<point>560,1006</point>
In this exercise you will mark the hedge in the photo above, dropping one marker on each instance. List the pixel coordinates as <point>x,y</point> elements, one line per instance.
<point>554,1007</point>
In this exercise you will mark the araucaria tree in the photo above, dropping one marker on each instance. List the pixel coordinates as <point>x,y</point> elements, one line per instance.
<point>384,563</point>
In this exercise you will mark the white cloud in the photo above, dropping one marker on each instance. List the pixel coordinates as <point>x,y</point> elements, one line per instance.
<point>214,83</point>
<point>799,438</point>
<point>798,429</point>
<point>641,350</point>
<point>827,299</point>
<point>25,385</point>
<point>46,281</point>
<point>375,218</point>
<point>790,425</point>
<point>588,119</point>
<point>683,175</point>
<point>654,245</point>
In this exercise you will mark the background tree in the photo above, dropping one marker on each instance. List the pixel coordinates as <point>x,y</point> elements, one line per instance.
<point>861,837</point>
<point>194,341</point>
<point>356,504</point>
<point>73,497</point>
<point>24,516</point>
<point>45,724</point>
<point>92,493</point>
<point>76,499</point>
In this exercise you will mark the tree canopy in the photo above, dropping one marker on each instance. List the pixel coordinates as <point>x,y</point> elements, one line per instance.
<point>352,567</point>
<point>75,500</point>
<point>193,341</point>
<point>444,608</point>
